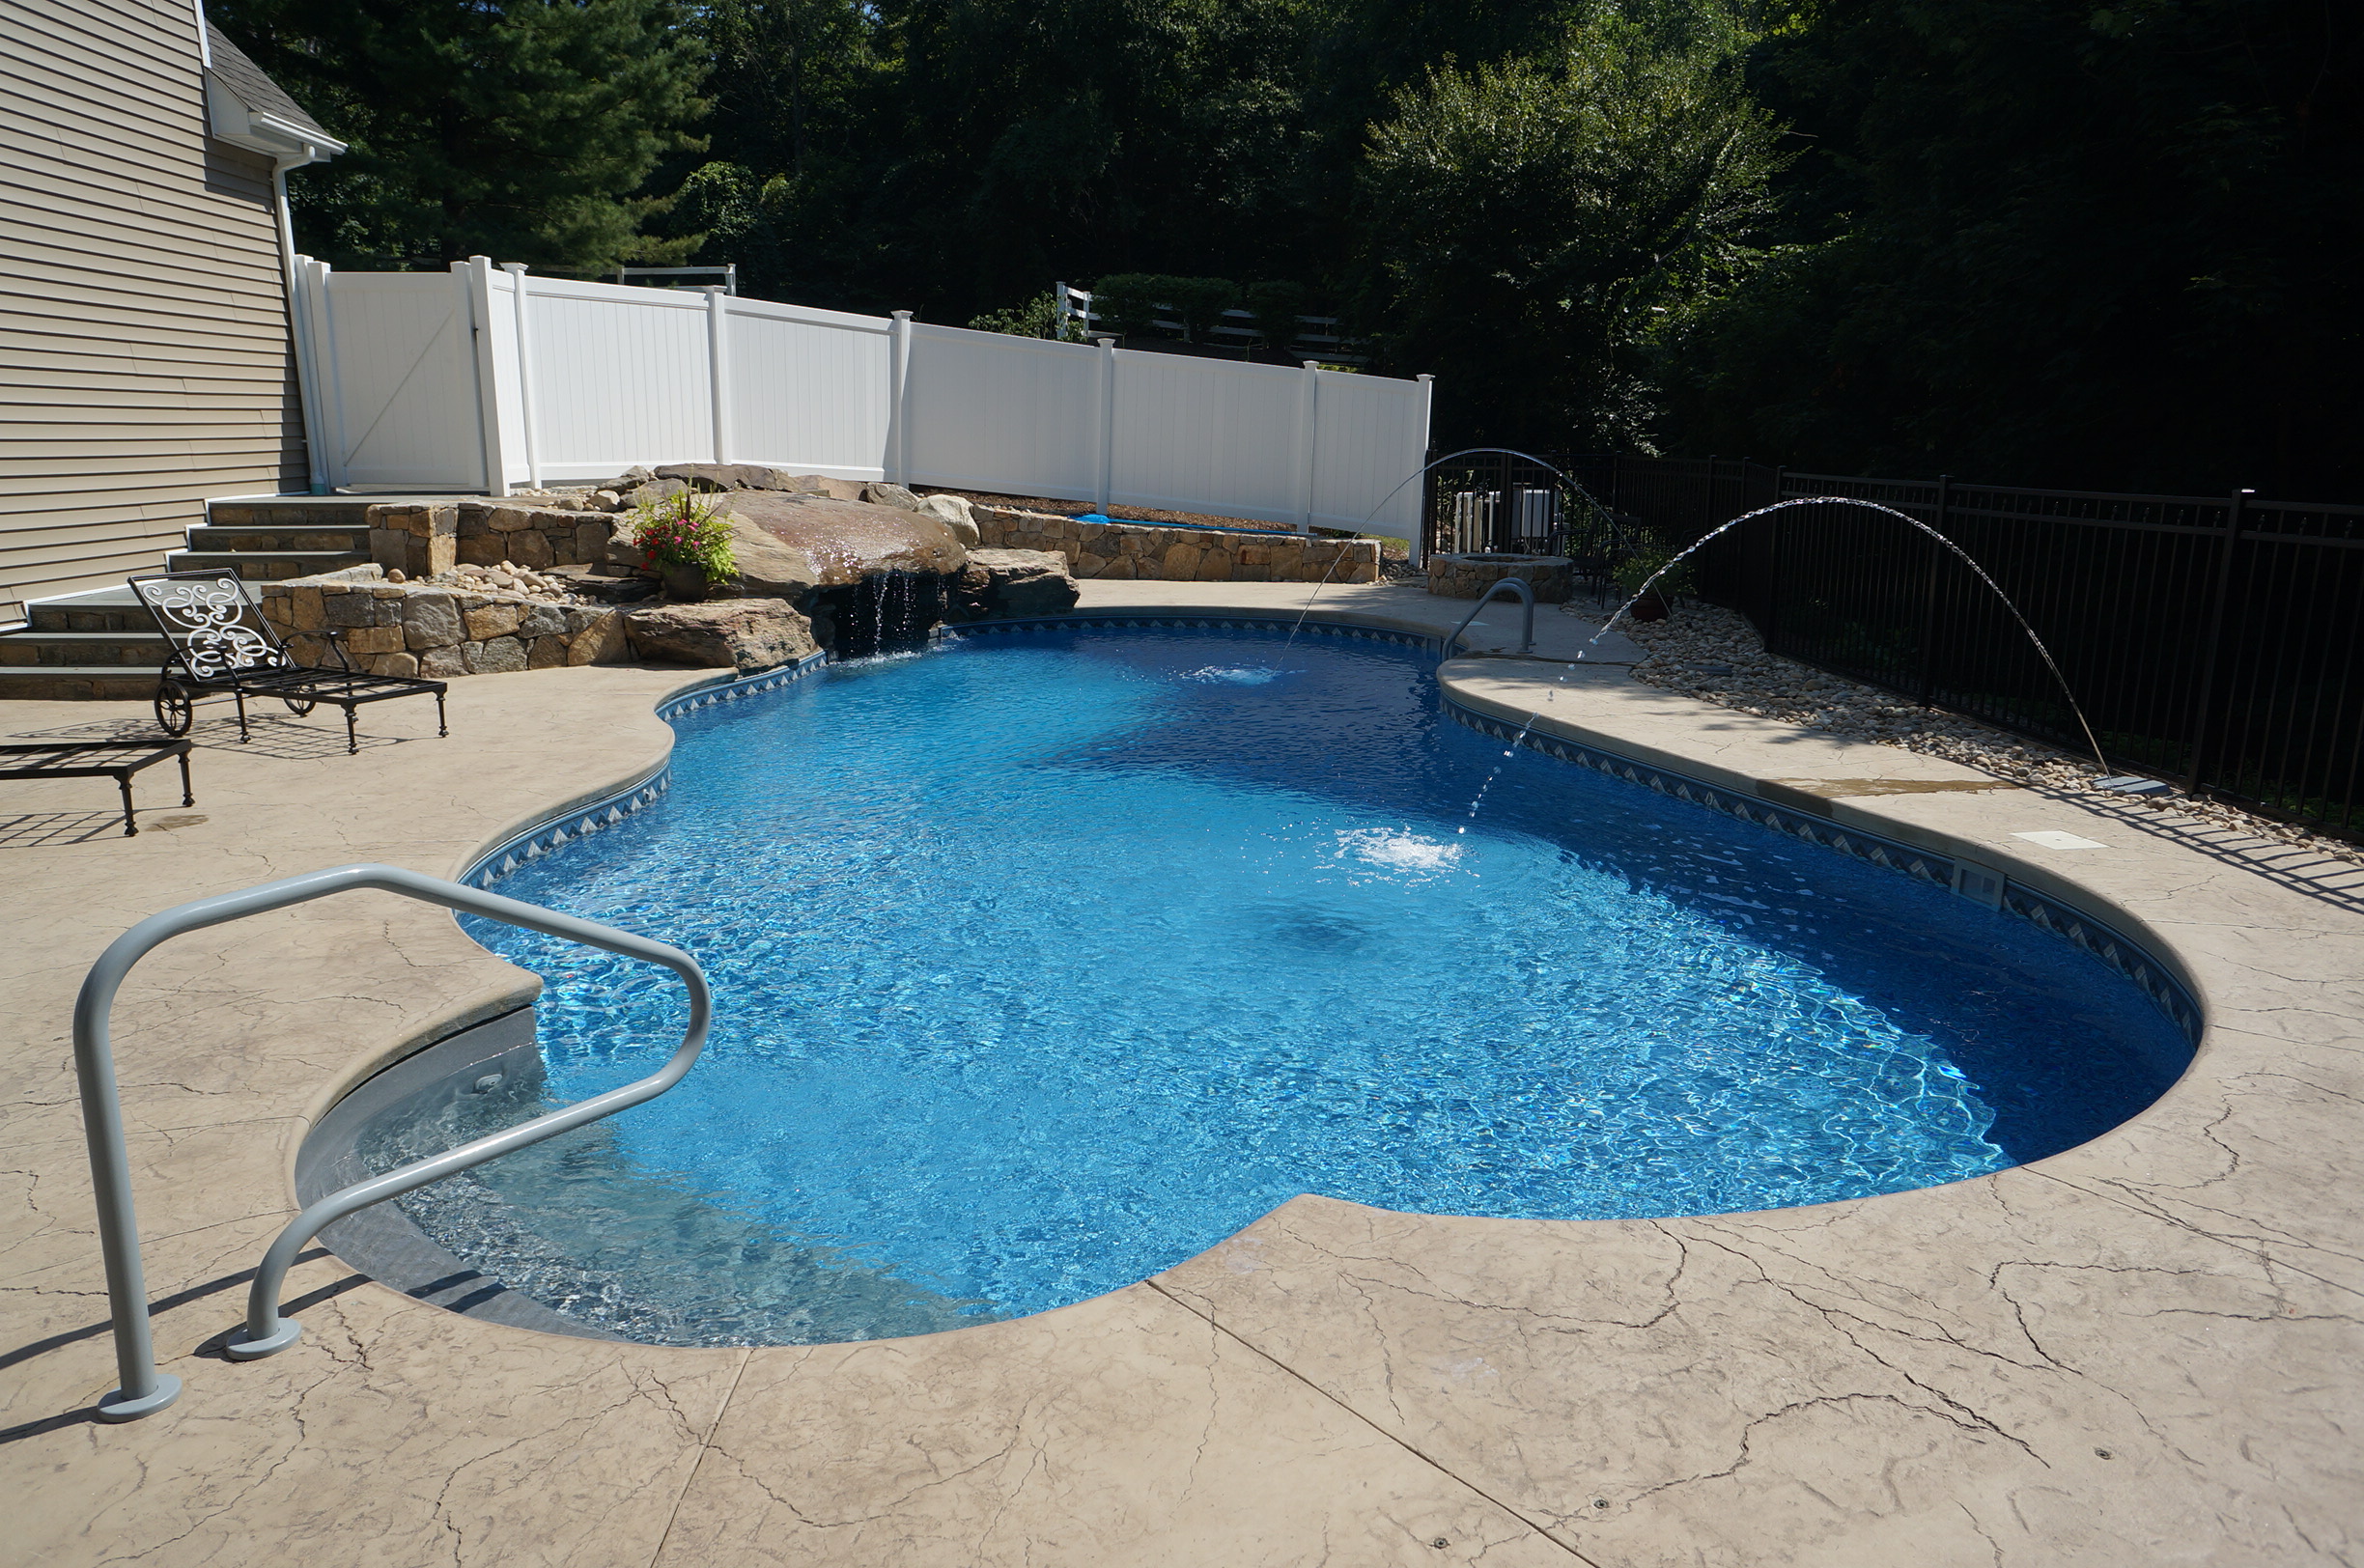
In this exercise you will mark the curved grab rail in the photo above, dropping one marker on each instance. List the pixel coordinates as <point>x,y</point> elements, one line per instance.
<point>145,1390</point>
<point>1522,591</point>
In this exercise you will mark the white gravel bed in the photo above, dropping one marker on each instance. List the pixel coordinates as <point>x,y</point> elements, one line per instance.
<point>1689,651</point>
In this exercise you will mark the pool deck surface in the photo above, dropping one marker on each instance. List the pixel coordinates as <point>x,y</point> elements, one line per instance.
<point>2146,1350</point>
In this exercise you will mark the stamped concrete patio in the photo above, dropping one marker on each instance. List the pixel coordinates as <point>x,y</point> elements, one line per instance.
<point>2146,1350</point>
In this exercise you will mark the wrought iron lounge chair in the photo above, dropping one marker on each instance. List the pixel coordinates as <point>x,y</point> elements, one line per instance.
<point>221,645</point>
<point>117,760</point>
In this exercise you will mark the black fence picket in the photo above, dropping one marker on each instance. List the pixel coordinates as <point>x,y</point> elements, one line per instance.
<point>2211,641</point>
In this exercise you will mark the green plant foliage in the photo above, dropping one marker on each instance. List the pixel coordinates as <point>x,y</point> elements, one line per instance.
<point>1277,305</point>
<point>2108,245</point>
<point>1127,302</point>
<point>1045,316</point>
<point>687,529</point>
<point>525,131</point>
<point>1531,223</point>
<point>1200,303</point>
<point>1637,569</point>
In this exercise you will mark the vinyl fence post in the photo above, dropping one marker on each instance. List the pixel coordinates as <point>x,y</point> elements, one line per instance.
<point>331,459</point>
<point>717,366</point>
<point>2202,714</point>
<point>1429,486</point>
<point>474,278</point>
<point>307,280</point>
<point>1929,592</point>
<point>525,381</point>
<point>1108,420</point>
<point>1308,415</point>
<point>898,398</point>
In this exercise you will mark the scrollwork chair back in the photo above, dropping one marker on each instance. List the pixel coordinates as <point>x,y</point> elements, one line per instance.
<point>207,620</point>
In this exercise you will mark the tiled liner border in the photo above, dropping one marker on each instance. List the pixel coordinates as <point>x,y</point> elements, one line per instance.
<point>558,829</point>
<point>2041,911</point>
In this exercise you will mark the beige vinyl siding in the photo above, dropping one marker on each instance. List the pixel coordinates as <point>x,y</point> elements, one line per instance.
<point>144,362</point>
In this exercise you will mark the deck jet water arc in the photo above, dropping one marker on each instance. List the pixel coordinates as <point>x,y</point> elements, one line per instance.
<point>2045,654</point>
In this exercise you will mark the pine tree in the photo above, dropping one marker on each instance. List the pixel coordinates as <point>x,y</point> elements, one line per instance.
<point>523,130</point>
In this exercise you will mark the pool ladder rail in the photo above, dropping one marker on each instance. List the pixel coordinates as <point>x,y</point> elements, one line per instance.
<point>145,1390</point>
<point>1525,594</point>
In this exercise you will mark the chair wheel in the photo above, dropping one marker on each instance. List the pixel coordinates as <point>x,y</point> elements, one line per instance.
<point>299,706</point>
<point>174,710</point>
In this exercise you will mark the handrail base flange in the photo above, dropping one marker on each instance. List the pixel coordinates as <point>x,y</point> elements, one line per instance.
<point>114,1406</point>
<point>240,1347</point>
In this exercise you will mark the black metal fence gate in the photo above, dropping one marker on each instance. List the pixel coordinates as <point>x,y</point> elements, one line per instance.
<point>2211,640</point>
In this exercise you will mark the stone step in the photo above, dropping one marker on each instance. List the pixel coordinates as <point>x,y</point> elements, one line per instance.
<point>264,566</point>
<point>268,513</point>
<point>303,537</point>
<point>77,683</point>
<point>102,609</point>
<point>24,649</point>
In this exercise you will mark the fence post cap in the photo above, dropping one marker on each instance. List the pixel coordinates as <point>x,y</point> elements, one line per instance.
<point>1423,375</point>
<point>902,315</point>
<point>1105,343</point>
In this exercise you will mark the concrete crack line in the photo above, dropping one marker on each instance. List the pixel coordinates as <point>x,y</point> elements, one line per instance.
<point>1321,1392</point>
<point>747,1354</point>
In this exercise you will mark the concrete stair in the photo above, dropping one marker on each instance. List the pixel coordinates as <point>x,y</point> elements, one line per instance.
<point>103,644</point>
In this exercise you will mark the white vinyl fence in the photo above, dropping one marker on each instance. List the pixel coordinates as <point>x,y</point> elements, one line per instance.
<point>485,378</point>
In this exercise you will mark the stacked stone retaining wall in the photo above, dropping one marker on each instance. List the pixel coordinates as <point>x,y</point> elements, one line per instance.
<point>419,628</point>
<point>421,541</point>
<point>1143,550</point>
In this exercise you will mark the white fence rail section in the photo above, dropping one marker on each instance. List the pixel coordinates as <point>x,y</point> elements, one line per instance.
<point>1238,325</point>
<point>486,378</point>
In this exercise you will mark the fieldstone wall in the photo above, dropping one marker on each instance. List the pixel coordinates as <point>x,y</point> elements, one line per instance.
<point>1465,576</point>
<point>423,628</point>
<point>1132,549</point>
<point>421,541</point>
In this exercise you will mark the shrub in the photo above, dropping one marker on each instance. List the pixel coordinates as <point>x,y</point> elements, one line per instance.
<point>1639,567</point>
<point>1041,316</point>
<point>685,530</point>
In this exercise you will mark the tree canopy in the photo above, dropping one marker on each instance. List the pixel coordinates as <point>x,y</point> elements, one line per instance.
<point>525,131</point>
<point>2096,242</point>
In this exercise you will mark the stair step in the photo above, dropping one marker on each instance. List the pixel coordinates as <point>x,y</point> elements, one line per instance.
<point>102,609</point>
<point>264,566</point>
<point>77,683</point>
<point>29,649</point>
<point>268,513</point>
<point>291,537</point>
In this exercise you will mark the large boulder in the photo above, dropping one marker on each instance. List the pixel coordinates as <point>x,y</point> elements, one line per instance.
<point>999,583</point>
<point>954,513</point>
<point>770,567</point>
<point>848,541</point>
<point>731,476</point>
<point>882,493</point>
<point>745,634</point>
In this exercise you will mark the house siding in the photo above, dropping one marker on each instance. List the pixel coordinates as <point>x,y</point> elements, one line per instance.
<point>145,357</point>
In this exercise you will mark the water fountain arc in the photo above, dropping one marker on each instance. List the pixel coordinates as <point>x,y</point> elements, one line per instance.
<point>2045,654</point>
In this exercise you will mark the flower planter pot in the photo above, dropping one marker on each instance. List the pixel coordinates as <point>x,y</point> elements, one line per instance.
<point>1648,607</point>
<point>686,583</point>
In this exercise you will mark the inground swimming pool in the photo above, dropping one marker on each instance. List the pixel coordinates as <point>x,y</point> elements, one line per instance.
<point>1044,961</point>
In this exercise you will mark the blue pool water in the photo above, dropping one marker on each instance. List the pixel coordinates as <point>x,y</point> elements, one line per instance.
<point>1044,961</point>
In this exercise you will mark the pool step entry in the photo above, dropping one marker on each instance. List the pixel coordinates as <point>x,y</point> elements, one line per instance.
<point>145,1390</point>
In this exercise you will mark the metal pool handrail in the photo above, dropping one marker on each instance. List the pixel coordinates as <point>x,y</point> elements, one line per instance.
<point>1525,595</point>
<point>145,1390</point>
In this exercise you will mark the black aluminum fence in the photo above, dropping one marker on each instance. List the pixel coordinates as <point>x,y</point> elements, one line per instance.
<point>2211,640</point>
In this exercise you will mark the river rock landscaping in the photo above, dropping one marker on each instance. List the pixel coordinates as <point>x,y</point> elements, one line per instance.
<point>1713,653</point>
